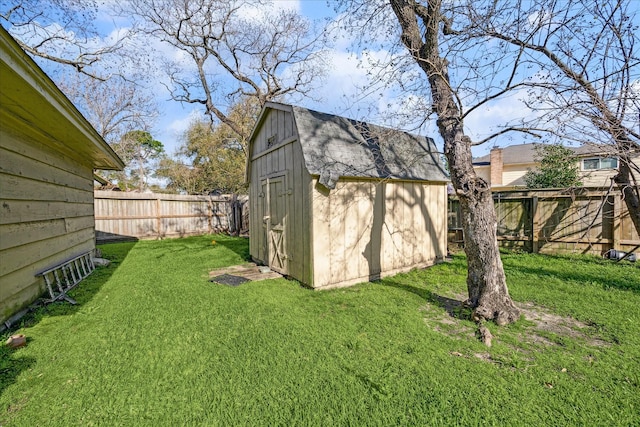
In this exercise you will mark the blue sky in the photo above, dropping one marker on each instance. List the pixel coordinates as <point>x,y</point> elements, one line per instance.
<point>341,94</point>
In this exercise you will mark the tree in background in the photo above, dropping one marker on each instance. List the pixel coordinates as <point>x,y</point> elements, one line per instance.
<point>235,49</point>
<point>216,155</point>
<point>64,32</point>
<point>117,109</point>
<point>140,152</point>
<point>113,107</point>
<point>558,168</point>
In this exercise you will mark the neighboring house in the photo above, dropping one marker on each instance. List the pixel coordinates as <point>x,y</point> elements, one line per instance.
<point>505,168</point>
<point>48,152</point>
<point>334,202</point>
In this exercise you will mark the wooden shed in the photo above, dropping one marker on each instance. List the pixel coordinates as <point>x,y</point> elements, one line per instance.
<point>48,152</point>
<point>334,201</point>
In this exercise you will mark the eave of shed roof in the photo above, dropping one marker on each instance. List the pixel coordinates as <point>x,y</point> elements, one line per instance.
<point>31,104</point>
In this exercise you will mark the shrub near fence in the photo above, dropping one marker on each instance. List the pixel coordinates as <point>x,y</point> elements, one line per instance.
<point>584,220</point>
<point>126,216</point>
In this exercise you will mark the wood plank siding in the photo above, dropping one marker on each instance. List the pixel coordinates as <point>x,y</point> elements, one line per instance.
<point>46,202</point>
<point>48,152</point>
<point>276,154</point>
<point>372,229</point>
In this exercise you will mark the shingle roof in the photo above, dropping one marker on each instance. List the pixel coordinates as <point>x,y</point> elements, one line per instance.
<point>522,153</point>
<point>335,147</point>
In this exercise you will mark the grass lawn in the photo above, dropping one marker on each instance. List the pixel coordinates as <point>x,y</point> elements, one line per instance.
<point>153,343</point>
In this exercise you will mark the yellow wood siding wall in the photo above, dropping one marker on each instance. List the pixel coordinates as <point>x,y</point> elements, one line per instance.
<point>282,158</point>
<point>513,175</point>
<point>363,230</point>
<point>46,205</point>
<point>597,178</point>
<point>484,172</point>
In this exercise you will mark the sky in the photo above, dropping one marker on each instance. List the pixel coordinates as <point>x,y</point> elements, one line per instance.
<point>341,93</point>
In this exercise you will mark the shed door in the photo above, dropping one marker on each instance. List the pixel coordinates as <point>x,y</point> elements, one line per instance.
<point>274,223</point>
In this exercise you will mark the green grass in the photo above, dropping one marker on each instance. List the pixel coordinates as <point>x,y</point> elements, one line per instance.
<point>153,343</point>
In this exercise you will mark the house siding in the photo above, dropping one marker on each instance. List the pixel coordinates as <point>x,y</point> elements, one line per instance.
<point>514,175</point>
<point>47,216</point>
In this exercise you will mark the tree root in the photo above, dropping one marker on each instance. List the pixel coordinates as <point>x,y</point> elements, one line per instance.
<point>508,314</point>
<point>484,333</point>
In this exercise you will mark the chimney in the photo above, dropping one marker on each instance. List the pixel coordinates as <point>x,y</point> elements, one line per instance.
<point>496,166</point>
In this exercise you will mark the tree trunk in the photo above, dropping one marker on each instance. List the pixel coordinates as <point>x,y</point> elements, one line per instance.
<point>628,186</point>
<point>486,282</point>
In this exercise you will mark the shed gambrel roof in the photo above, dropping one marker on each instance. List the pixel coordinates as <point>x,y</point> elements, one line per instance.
<point>334,147</point>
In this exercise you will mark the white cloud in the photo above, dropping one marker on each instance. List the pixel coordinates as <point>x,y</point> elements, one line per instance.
<point>171,134</point>
<point>262,11</point>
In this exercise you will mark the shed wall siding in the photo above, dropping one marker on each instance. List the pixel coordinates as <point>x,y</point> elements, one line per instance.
<point>364,230</point>
<point>47,216</point>
<point>282,158</point>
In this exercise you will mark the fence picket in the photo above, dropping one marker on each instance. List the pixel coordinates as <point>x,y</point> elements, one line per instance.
<point>128,216</point>
<point>582,220</point>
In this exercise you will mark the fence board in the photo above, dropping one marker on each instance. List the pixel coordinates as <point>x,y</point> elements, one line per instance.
<point>551,221</point>
<point>128,216</point>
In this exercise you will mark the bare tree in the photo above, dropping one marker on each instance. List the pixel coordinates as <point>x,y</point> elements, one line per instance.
<point>573,64</point>
<point>114,107</point>
<point>63,31</point>
<point>422,28</point>
<point>417,41</point>
<point>586,85</point>
<point>234,49</point>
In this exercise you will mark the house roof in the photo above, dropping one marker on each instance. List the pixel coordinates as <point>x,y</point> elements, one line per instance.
<point>335,147</point>
<point>525,153</point>
<point>32,105</point>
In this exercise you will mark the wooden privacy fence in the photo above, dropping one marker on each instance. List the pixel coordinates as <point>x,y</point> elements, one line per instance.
<point>127,216</point>
<point>551,221</point>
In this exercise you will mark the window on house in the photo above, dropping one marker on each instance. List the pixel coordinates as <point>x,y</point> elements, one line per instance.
<point>597,163</point>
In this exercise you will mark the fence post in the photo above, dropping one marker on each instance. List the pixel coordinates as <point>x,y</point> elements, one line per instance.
<point>534,225</point>
<point>210,214</point>
<point>158,219</point>
<point>616,233</point>
<point>235,217</point>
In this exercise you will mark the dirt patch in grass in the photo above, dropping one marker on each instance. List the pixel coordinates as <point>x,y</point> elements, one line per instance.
<point>542,327</point>
<point>545,323</point>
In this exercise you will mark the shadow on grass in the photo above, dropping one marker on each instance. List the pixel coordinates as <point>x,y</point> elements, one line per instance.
<point>11,367</point>
<point>82,293</point>
<point>607,273</point>
<point>239,245</point>
<point>453,307</point>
